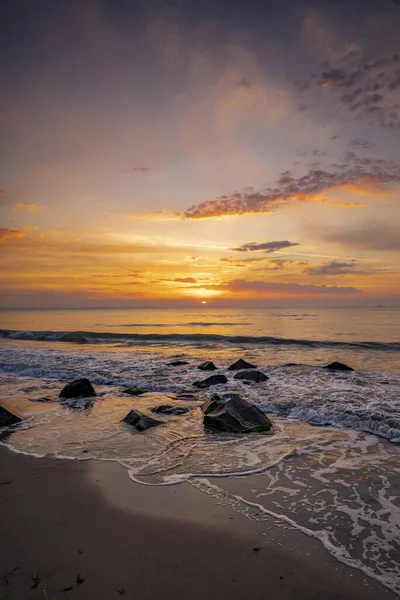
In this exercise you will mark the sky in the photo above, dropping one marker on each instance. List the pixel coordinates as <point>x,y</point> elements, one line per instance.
<point>186,153</point>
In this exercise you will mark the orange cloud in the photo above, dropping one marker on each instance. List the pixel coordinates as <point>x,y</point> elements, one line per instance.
<point>30,207</point>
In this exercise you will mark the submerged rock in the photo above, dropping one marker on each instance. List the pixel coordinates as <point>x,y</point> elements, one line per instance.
<point>78,403</point>
<point>211,404</point>
<point>7,418</point>
<point>134,391</point>
<point>80,388</point>
<point>338,366</point>
<point>251,376</point>
<point>178,363</point>
<point>165,409</point>
<point>140,422</point>
<point>207,366</point>
<point>213,380</point>
<point>241,364</point>
<point>238,416</point>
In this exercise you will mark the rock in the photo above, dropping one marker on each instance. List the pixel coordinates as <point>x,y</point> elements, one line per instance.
<point>238,416</point>
<point>338,366</point>
<point>140,422</point>
<point>207,366</point>
<point>251,376</point>
<point>178,363</point>
<point>241,364</point>
<point>213,380</point>
<point>165,409</point>
<point>80,388</point>
<point>186,396</point>
<point>134,391</point>
<point>7,418</point>
<point>78,403</point>
<point>211,404</point>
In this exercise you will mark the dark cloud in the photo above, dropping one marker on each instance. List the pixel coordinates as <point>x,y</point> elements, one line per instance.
<point>368,89</point>
<point>360,143</point>
<point>137,170</point>
<point>8,234</point>
<point>260,287</point>
<point>265,247</point>
<point>356,171</point>
<point>334,268</point>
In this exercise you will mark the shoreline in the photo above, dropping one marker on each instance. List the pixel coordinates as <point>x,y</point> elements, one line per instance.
<point>83,529</point>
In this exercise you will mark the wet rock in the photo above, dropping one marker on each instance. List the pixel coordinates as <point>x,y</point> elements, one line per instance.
<point>178,363</point>
<point>140,422</point>
<point>7,418</point>
<point>80,388</point>
<point>238,416</point>
<point>78,403</point>
<point>207,366</point>
<point>241,364</point>
<point>211,404</point>
<point>134,391</point>
<point>338,366</point>
<point>213,380</point>
<point>165,409</point>
<point>251,376</point>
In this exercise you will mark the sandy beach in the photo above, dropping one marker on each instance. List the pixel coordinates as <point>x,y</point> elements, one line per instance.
<point>82,530</point>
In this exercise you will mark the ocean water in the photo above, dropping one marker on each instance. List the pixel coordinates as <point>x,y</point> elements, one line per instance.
<point>330,467</point>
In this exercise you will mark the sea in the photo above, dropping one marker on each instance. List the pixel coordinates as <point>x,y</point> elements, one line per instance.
<point>330,466</point>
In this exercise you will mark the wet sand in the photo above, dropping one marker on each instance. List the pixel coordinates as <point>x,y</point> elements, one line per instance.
<point>83,530</point>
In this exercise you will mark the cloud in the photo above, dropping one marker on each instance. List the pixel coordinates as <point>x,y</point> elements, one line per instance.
<point>376,236</point>
<point>358,172</point>
<point>184,280</point>
<point>1,192</point>
<point>368,89</point>
<point>137,170</point>
<point>8,234</point>
<point>360,143</point>
<point>266,246</point>
<point>262,287</point>
<point>334,268</point>
<point>30,207</point>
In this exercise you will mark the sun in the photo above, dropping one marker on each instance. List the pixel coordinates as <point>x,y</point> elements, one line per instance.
<point>204,301</point>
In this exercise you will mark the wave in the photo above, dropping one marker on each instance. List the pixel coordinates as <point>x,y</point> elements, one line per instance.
<point>82,337</point>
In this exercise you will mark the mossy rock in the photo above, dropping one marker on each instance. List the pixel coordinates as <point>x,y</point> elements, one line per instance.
<point>134,391</point>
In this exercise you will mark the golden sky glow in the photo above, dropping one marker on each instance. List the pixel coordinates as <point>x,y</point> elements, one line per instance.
<point>175,157</point>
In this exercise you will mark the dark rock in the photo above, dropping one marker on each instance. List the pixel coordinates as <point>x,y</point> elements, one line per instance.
<point>338,366</point>
<point>7,418</point>
<point>80,388</point>
<point>140,422</point>
<point>238,416</point>
<point>165,409</point>
<point>207,366</point>
<point>241,364</point>
<point>211,404</point>
<point>134,391</point>
<point>213,380</point>
<point>178,363</point>
<point>251,376</point>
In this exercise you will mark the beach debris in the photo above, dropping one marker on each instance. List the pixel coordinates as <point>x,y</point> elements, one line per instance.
<point>121,591</point>
<point>134,391</point>
<point>241,364</point>
<point>35,581</point>
<point>80,388</point>
<point>257,548</point>
<point>6,482</point>
<point>68,589</point>
<point>251,376</point>
<point>338,366</point>
<point>166,409</point>
<point>211,404</point>
<point>7,418</point>
<point>212,380</point>
<point>207,366</point>
<point>178,363</point>
<point>238,416</point>
<point>140,422</point>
